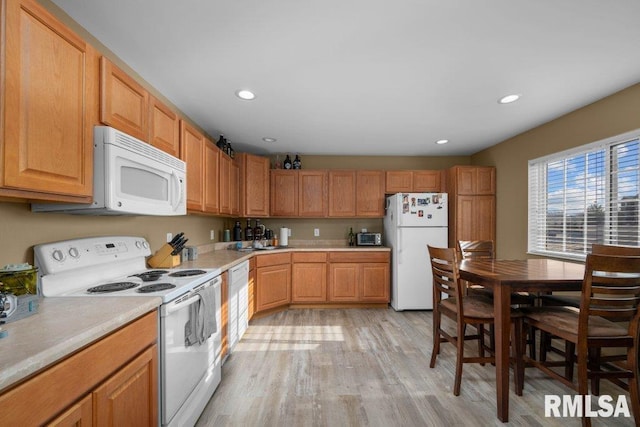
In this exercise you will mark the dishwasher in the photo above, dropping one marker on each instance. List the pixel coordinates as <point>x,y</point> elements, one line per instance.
<point>238,303</point>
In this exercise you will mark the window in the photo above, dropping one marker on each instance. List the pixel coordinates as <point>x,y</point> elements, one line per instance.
<point>584,196</point>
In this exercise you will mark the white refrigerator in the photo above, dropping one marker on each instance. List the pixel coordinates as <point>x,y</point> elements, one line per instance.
<point>413,221</point>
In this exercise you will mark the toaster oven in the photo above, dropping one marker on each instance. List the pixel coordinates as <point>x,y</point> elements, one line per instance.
<point>369,239</point>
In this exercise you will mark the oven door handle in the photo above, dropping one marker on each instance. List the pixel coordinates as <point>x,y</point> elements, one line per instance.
<point>172,308</point>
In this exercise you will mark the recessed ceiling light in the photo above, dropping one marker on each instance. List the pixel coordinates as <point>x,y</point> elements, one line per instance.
<point>267,139</point>
<point>509,99</point>
<point>245,94</point>
<point>442,141</point>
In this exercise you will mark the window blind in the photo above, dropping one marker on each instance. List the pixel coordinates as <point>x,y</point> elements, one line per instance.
<point>584,196</point>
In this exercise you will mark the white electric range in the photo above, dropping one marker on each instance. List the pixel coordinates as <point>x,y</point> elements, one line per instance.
<point>116,266</point>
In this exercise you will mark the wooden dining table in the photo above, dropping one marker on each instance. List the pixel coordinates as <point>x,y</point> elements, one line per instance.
<point>505,277</point>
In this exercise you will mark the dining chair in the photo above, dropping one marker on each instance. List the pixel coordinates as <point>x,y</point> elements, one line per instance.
<point>608,318</point>
<point>572,300</point>
<point>485,249</point>
<point>464,309</point>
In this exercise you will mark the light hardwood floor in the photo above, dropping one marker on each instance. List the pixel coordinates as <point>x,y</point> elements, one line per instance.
<point>365,367</point>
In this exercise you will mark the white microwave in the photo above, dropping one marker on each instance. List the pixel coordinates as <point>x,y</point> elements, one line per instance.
<point>130,177</point>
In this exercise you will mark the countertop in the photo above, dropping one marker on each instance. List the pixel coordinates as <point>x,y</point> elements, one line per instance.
<point>224,259</point>
<point>66,324</point>
<point>61,327</point>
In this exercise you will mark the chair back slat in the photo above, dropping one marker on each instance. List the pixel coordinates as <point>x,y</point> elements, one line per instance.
<point>615,250</point>
<point>611,287</point>
<point>470,249</point>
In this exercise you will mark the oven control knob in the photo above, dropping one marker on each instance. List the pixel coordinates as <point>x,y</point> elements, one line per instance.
<point>145,244</point>
<point>74,253</point>
<point>58,255</point>
<point>138,244</point>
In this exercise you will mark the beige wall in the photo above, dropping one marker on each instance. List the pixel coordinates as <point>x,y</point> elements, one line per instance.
<point>610,116</point>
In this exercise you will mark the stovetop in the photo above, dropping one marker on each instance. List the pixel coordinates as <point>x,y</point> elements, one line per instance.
<point>110,266</point>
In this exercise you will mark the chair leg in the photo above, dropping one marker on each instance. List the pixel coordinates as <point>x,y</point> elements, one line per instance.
<point>545,342</point>
<point>480,328</point>
<point>459,357</point>
<point>436,337</point>
<point>633,354</point>
<point>569,359</point>
<point>594,365</point>
<point>583,383</point>
<point>531,333</point>
<point>519,342</point>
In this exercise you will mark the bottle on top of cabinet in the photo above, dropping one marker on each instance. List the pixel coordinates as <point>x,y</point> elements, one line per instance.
<point>287,162</point>
<point>248,232</point>
<point>297,163</point>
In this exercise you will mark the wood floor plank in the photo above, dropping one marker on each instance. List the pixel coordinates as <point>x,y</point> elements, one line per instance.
<point>365,367</point>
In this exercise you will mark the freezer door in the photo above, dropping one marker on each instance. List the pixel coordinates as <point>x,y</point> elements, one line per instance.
<point>422,210</point>
<point>413,289</point>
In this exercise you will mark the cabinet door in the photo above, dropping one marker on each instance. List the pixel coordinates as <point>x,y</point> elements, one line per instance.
<point>342,193</point>
<point>50,106</point>
<point>225,184</point>
<point>370,194</point>
<point>309,282</point>
<point>466,180</point>
<point>252,287</point>
<point>211,178</point>
<point>164,127</point>
<point>124,103</point>
<point>191,151</point>
<point>274,286</point>
<point>398,182</point>
<point>80,414</point>
<point>426,181</point>
<point>485,180</point>
<point>130,396</point>
<point>234,187</point>
<point>343,282</point>
<point>375,286</point>
<point>255,186</point>
<point>284,193</point>
<point>312,194</point>
<point>475,218</point>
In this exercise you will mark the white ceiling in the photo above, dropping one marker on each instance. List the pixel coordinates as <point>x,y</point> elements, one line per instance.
<point>374,77</point>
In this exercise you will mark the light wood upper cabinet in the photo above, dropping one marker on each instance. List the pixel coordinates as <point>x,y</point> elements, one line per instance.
<point>192,152</point>
<point>124,103</point>
<point>342,193</point>
<point>284,193</point>
<point>225,184</point>
<point>370,193</point>
<point>312,193</point>
<point>473,180</point>
<point>427,181</point>
<point>50,92</point>
<point>234,187</point>
<point>398,182</point>
<point>211,177</point>
<point>416,181</point>
<point>254,185</point>
<point>164,127</point>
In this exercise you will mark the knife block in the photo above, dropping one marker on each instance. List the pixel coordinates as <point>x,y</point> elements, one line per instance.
<point>163,258</point>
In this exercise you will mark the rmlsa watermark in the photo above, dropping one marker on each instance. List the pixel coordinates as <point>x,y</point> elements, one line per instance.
<point>581,405</point>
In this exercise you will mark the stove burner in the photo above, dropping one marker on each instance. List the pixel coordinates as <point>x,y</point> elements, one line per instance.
<point>148,276</point>
<point>112,287</point>
<point>187,273</point>
<point>156,287</point>
<point>155,272</point>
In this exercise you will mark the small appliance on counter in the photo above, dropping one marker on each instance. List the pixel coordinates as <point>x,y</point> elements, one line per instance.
<point>369,239</point>
<point>18,289</point>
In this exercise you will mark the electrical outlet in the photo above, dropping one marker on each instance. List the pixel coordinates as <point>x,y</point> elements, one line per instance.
<point>288,232</point>
<point>364,230</point>
<point>212,234</point>
<point>169,237</point>
<point>316,232</point>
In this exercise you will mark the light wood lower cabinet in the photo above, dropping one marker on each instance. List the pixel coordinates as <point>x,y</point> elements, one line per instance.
<point>273,280</point>
<point>309,277</point>
<point>111,382</point>
<point>359,277</point>
<point>252,287</point>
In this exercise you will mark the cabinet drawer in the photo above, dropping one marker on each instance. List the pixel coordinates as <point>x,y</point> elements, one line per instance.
<point>359,256</point>
<point>309,257</point>
<point>273,259</point>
